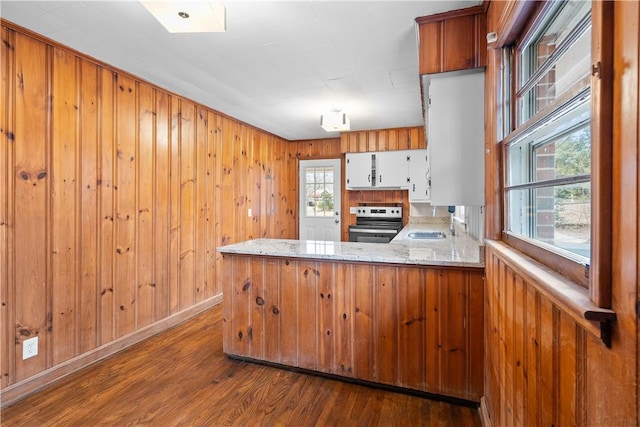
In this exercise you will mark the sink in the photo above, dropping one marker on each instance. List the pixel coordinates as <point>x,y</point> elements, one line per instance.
<point>427,235</point>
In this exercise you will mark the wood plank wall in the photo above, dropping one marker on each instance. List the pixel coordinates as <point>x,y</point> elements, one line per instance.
<point>413,327</point>
<point>541,368</point>
<point>113,197</point>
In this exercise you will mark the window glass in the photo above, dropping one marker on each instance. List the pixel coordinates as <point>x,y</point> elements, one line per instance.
<point>548,165</point>
<point>319,197</point>
<point>555,60</point>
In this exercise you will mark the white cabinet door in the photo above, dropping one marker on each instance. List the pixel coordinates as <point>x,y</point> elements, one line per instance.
<point>392,169</point>
<point>455,126</point>
<point>419,175</point>
<point>377,170</point>
<point>358,170</point>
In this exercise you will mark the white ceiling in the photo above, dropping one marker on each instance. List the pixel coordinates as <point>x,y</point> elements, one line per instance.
<point>279,66</point>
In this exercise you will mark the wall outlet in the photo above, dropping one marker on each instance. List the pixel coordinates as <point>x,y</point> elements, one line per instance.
<point>249,213</point>
<point>30,348</point>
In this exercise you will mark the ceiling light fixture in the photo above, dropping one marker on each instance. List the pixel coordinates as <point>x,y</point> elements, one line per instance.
<point>335,121</point>
<point>203,16</point>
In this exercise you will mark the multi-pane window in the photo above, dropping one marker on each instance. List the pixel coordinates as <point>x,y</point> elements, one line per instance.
<point>548,154</point>
<point>319,197</point>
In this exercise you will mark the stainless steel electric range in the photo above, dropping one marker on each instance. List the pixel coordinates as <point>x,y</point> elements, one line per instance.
<point>376,224</point>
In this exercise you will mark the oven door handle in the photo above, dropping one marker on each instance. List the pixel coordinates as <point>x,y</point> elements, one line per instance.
<point>371,231</point>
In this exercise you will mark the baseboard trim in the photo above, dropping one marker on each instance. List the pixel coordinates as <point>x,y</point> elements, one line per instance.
<point>484,413</point>
<point>37,382</point>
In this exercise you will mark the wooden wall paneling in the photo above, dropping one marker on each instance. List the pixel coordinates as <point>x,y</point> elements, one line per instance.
<point>146,204</point>
<point>308,301</point>
<point>211,285</point>
<point>226,183</point>
<point>64,215</point>
<point>126,200</point>
<point>532,355</point>
<point>460,42</point>
<point>430,47</point>
<point>453,328</point>
<point>89,219</point>
<point>187,203</point>
<point>411,328</point>
<point>382,141</point>
<point>241,317</point>
<point>162,207</point>
<point>568,352</point>
<point>290,204</point>
<point>255,190</point>
<point>108,183</point>
<point>256,306</point>
<point>176,205</point>
<point>264,184</point>
<point>201,209</point>
<point>434,331</point>
<point>344,325</point>
<point>364,317</point>
<point>327,315</point>
<point>32,243</point>
<point>288,312</point>
<point>385,324</point>
<point>7,135</point>
<point>503,398</point>
<point>363,143</point>
<point>220,174</point>
<point>404,139</point>
<point>229,342</point>
<point>518,351</point>
<point>372,140</point>
<point>271,296</point>
<point>241,194</point>
<point>475,291</point>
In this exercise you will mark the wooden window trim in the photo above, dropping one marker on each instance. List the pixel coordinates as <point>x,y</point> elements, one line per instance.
<point>597,285</point>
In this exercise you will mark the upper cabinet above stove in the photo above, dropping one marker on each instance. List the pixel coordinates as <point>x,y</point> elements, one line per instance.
<point>377,170</point>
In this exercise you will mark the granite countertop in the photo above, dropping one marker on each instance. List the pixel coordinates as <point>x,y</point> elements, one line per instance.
<point>456,251</point>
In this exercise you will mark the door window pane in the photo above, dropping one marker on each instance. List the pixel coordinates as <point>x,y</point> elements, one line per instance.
<point>319,197</point>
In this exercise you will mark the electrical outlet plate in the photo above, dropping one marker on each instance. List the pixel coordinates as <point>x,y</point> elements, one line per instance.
<point>30,348</point>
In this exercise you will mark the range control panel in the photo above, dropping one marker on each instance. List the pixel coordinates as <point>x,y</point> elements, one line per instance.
<point>377,211</point>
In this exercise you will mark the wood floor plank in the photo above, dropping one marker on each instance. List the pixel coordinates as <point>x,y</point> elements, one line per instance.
<point>181,377</point>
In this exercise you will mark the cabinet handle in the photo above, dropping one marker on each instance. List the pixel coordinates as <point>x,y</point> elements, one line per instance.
<point>414,188</point>
<point>369,178</point>
<point>380,178</point>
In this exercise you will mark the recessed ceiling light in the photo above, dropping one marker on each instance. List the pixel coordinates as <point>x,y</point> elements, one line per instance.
<point>189,16</point>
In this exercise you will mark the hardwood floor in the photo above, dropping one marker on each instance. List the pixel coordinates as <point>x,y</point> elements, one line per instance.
<point>182,377</point>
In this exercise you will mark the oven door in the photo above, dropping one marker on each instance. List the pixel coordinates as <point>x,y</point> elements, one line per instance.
<point>371,235</point>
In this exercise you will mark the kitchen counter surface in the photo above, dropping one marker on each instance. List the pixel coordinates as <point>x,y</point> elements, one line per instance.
<point>454,251</point>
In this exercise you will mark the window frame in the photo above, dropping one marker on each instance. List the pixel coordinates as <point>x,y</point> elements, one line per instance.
<point>595,277</point>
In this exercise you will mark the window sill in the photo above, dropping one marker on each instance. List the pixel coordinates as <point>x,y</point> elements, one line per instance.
<point>567,295</point>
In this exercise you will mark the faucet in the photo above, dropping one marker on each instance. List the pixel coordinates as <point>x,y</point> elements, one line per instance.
<point>452,227</point>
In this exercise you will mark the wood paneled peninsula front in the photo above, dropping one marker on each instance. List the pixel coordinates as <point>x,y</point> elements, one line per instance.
<point>405,314</point>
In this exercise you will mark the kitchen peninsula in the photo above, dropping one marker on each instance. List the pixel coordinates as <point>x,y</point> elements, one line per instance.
<point>405,314</point>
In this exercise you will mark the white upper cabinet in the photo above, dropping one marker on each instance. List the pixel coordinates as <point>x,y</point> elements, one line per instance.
<point>377,170</point>
<point>455,129</point>
<point>419,176</point>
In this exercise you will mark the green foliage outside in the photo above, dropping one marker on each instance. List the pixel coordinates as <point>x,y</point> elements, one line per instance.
<point>573,157</point>
<point>326,201</point>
